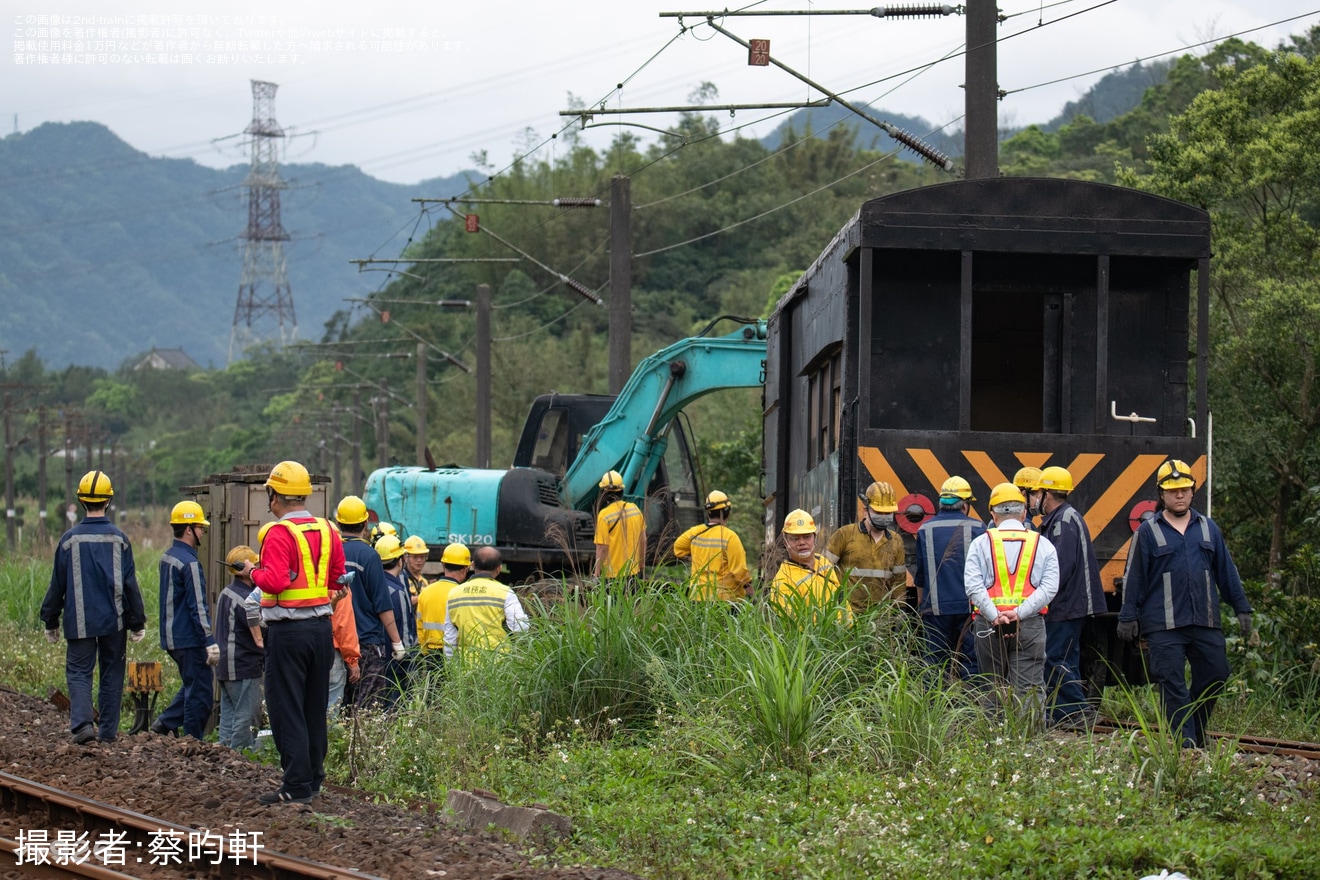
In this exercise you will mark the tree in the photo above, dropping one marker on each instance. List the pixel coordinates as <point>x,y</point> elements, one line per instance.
<point>1249,154</point>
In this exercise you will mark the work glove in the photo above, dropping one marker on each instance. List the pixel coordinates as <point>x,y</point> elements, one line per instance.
<point>53,636</point>
<point>1244,625</point>
<point>137,635</point>
<point>212,655</point>
<point>399,651</point>
<point>1128,630</point>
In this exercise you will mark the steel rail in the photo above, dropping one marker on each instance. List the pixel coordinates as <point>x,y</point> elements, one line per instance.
<point>9,856</point>
<point>19,795</point>
<point>1262,745</point>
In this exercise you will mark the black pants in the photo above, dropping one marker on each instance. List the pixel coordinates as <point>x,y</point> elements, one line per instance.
<point>299,654</point>
<point>1171,653</point>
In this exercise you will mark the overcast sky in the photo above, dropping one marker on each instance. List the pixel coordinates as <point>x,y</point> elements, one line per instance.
<point>409,90</point>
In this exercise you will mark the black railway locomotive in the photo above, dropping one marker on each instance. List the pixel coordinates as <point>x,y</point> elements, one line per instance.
<point>974,327</point>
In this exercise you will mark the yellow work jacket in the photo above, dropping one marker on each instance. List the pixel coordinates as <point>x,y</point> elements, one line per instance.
<point>619,527</point>
<point>476,610</point>
<point>431,602</point>
<point>719,563</point>
<point>876,569</point>
<point>812,586</point>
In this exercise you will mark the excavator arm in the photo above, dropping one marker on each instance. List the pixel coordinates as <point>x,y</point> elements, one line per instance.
<point>631,439</point>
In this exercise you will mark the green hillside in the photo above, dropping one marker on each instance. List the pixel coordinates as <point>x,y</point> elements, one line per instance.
<point>106,252</point>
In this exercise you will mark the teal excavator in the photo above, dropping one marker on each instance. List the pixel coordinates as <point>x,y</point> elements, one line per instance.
<point>539,513</point>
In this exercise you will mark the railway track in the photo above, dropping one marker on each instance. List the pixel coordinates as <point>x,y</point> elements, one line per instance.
<point>1261,745</point>
<point>75,836</point>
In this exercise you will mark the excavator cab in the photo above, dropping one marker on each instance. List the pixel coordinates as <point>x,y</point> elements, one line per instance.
<point>553,436</point>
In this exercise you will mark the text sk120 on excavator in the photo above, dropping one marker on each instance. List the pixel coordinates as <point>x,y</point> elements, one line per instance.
<point>539,513</point>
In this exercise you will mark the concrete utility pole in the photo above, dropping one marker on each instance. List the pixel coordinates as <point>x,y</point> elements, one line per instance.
<point>421,405</point>
<point>10,513</point>
<point>620,282</point>
<point>43,450</point>
<point>354,486</point>
<point>483,376</point>
<point>70,452</point>
<point>981,133</point>
<point>383,426</point>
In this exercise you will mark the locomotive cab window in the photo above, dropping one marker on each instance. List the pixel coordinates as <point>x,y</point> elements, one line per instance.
<point>824,393</point>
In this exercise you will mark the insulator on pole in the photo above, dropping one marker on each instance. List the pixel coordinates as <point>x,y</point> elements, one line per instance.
<point>576,203</point>
<point>920,147</point>
<point>913,11</point>
<point>581,290</point>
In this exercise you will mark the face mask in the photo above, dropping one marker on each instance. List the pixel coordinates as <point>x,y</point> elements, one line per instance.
<point>882,520</point>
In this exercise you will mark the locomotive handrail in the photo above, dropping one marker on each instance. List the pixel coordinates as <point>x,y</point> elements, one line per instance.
<point>1131,417</point>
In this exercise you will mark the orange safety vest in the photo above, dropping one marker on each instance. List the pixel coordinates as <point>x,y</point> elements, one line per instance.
<point>302,593</point>
<point>1010,589</point>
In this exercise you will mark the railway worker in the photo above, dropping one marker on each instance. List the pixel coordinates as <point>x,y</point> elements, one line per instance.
<point>415,554</point>
<point>242,655</point>
<point>390,550</point>
<point>1081,595</point>
<point>302,562</point>
<point>941,558</point>
<point>870,552</point>
<point>805,580</point>
<point>1178,570</point>
<point>481,611</point>
<point>380,529</point>
<point>1026,479</point>
<point>719,562</point>
<point>1012,573</point>
<point>185,625</point>
<point>93,585</point>
<point>377,630</point>
<point>620,532</point>
<point>344,666</point>
<point>454,565</point>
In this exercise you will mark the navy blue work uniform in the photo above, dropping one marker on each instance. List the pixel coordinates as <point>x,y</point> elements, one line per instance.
<point>942,543</point>
<point>1172,586</point>
<point>371,599</point>
<point>185,634</point>
<point>1081,595</point>
<point>241,666</point>
<point>93,585</point>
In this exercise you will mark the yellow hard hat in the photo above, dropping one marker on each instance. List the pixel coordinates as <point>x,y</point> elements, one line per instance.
<point>1055,479</point>
<point>351,510</point>
<point>383,529</point>
<point>188,513</point>
<point>389,547</point>
<point>1006,493</point>
<point>291,479</point>
<point>416,546</point>
<point>1025,479</point>
<point>957,487</point>
<point>95,487</point>
<point>799,522</point>
<point>1174,474</point>
<point>457,554</point>
<point>241,553</point>
<point>611,480</point>
<point>880,498</point>
<point>261,532</point>
<point>717,500</point>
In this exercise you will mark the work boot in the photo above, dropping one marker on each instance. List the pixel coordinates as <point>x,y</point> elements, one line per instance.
<point>162,730</point>
<point>282,797</point>
<point>85,734</point>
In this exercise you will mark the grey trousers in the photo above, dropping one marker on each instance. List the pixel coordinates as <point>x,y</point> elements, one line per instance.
<point>1018,662</point>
